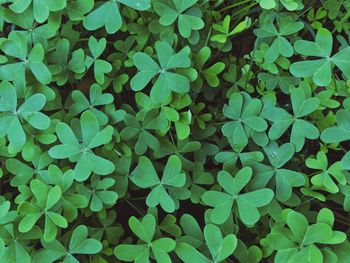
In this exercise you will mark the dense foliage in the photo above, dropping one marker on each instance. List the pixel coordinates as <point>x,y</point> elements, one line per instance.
<point>196,131</point>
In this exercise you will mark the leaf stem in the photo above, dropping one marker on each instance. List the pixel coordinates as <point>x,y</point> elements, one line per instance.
<point>244,9</point>
<point>234,5</point>
<point>140,211</point>
<point>218,123</point>
<point>204,2</point>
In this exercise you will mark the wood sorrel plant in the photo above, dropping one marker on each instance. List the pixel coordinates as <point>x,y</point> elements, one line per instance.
<point>193,131</point>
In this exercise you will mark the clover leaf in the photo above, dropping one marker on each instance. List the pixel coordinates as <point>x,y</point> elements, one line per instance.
<point>15,46</point>
<point>145,139</point>
<point>280,45</point>
<point>17,243</point>
<point>107,14</point>
<point>108,228</point>
<point>79,244</point>
<point>199,117</point>
<point>229,158</point>
<point>97,98</point>
<point>339,133</point>
<point>145,231</point>
<point>167,81</point>
<point>285,179</point>
<point>200,179</point>
<point>290,5</point>
<point>6,215</point>
<point>68,64</point>
<point>79,150</point>
<point>283,81</point>
<point>323,180</point>
<point>78,8</point>
<point>41,8</point>
<point>244,204</point>
<point>301,241</point>
<point>12,117</point>
<point>320,69</point>
<point>346,161</point>
<point>224,29</point>
<point>98,193</point>
<point>246,120</point>
<point>211,73</point>
<point>101,67</point>
<point>181,149</point>
<point>145,176</point>
<point>220,248</point>
<point>71,201</point>
<point>46,200</point>
<point>24,173</point>
<point>282,120</point>
<point>188,17</point>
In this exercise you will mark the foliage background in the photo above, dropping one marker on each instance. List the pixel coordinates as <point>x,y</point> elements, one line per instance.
<point>178,130</point>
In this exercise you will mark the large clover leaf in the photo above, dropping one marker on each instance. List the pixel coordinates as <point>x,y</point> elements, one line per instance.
<point>107,14</point>
<point>338,133</point>
<point>80,150</point>
<point>167,81</point>
<point>12,117</point>
<point>24,172</point>
<point>280,44</point>
<point>282,120</point>
<point>219,248</point>
<point>45,204</point>
<point>245,204</point>
<point>71,201</point>
<point>16,250</point>
<point>145,176</point>
<point>97,98</point>
<point>145,231</point>
<point>188,17</point>
<point>69,64</point>
<point>41,8</point>
<point>142,132</point>
<point>16,47</point>
<point>320,69</point>
<point>246,120</point>
<point>285,179</point>
<point>302,242</point>
<point>79,243</point>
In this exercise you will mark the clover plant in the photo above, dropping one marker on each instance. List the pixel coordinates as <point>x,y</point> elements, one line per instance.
<point>195,131</point>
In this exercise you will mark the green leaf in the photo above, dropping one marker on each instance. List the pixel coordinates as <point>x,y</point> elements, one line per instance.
<point>143,229</point>
<point>106,15</point>
<point>80,244</point>
<point>338,133</point>
<point>321,69</point>
<point>167,81</point>
<point>188,17</point>
<point>188,254</point>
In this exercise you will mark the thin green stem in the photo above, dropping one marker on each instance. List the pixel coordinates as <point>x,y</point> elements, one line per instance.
<point>235,5</point>
<point>138,198</point>
<point>207,40</point>
<point>140,211</point>
<point>242,10</point>
<point>172,138</point>
<point>204,2</point>
<point>218,123</point>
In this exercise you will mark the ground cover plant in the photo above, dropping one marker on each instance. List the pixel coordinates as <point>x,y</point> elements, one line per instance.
<point>195,131</point>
